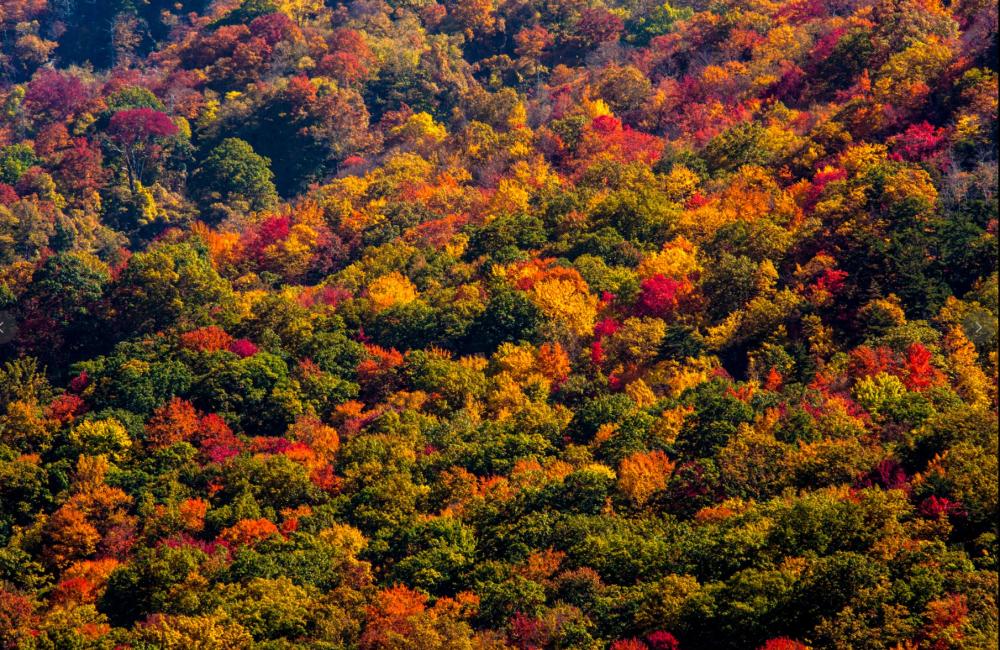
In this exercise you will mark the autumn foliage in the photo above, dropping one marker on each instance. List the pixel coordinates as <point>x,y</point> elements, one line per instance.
<point>496,324</point>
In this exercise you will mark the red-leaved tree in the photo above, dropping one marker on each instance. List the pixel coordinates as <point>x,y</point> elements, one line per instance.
<point>136,133</point>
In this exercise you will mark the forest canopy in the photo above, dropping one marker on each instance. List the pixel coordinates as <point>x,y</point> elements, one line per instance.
<point>498,324</point>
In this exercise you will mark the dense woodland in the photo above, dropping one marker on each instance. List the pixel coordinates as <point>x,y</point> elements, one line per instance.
<point>498,324</point>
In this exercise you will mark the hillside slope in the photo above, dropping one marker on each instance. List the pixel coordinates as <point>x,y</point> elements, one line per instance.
<point>498,324</point>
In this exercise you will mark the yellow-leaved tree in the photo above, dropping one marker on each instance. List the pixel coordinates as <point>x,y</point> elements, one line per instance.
<point>390,290</point>
<point>969,379</point>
